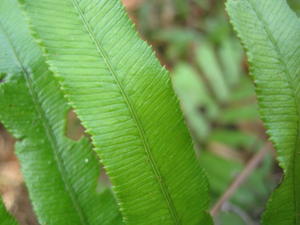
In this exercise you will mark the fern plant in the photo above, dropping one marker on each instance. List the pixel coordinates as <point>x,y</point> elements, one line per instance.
<point>270,32</point>
<point>34,110</point>
<point>125,101</point>
<point>86,55</point>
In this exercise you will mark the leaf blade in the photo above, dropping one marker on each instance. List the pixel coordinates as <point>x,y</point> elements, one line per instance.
<point>62,186</point>
<point>134,102</point>
<point>273,52</point>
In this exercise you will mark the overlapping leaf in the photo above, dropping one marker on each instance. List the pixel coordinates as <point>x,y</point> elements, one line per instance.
<point>125,100</point>
<point>5,217</point>
<point>270,32</point>
<point>61,174</point>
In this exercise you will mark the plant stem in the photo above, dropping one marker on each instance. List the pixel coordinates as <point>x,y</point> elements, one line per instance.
<point>251,165</point>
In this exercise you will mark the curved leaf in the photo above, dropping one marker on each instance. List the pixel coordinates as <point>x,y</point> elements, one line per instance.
<point>125,100</point>
<point>270,32</point>
<point>61,174</point>
<point>5,217</point>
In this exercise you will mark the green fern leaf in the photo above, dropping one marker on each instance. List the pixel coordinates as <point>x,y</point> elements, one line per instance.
<point>125,100</point>
<point>61,174</point>
<point>5,217</point>
<point>270,32</point>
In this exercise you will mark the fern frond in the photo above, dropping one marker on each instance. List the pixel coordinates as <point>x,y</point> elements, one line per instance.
<point>270,32</point>
<point>125,100</point>
<point>208,62</point>
<point>61,174</point>
<point>222,99</point>
<point>194,97</point>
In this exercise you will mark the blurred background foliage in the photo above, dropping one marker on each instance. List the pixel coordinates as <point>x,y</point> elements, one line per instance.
<point>195,41</point>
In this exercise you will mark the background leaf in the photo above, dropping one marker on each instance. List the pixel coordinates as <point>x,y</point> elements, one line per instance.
<point>270,32</point>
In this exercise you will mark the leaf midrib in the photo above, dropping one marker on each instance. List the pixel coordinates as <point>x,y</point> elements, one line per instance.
<point>295,154</point>
<point>50,134</point>
<point>102,53</point>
